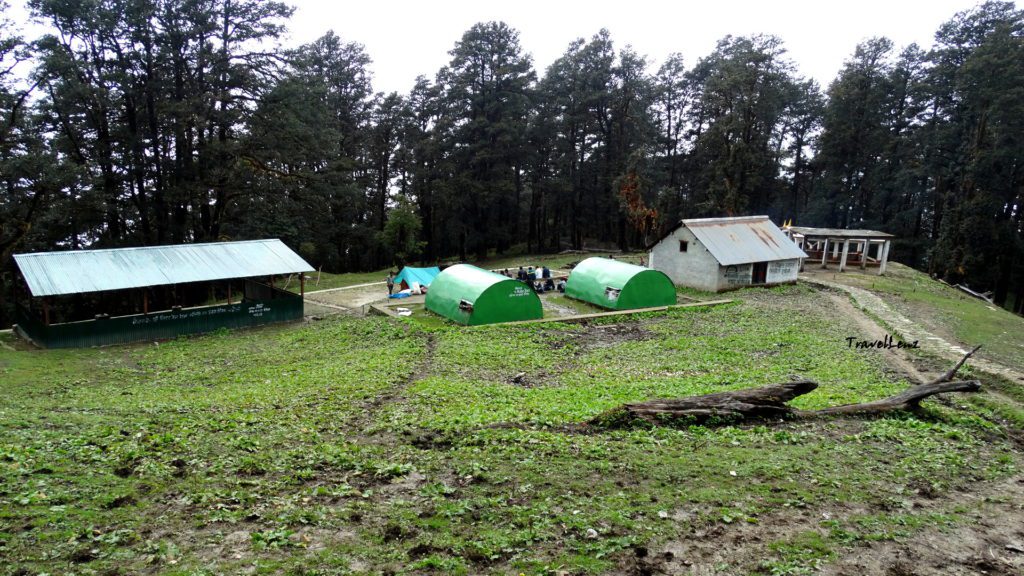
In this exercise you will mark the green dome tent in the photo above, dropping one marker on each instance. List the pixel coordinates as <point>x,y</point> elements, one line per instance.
<point>470,295</point>
<point>619,286</point>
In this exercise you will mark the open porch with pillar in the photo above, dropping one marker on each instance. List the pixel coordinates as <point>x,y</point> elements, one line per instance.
<point>844,248</point>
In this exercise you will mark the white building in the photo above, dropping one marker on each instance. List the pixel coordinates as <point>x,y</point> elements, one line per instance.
<point>716,254</point>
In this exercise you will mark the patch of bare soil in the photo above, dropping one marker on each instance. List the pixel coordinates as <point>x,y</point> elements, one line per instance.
<point>552,308</point>
<point>591,337</point>
<point>607,335</point>
<point>722,549</point>
<point>237,544</point>
<point>600,336</point>
<point>990,540</point>
<point>992,544</point>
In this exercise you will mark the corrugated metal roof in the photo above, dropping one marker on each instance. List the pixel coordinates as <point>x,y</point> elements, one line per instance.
<point>743,240</point>
<point>79,271</point>
<point>840,233</point>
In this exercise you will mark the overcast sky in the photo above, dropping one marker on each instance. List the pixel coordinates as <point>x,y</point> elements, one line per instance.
<point>406,38</point>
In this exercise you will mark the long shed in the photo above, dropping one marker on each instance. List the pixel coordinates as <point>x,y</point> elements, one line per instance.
<point>619,285</point>
<point>716,254</point>
<point>139,280</point>
<point>469,295</point>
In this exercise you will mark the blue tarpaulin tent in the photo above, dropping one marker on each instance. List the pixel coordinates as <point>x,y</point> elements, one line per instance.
<point>423,276</point>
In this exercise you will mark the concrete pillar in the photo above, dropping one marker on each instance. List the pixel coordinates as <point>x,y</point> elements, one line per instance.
<point>864,254</point>
<point>885,258</point>
<point>842,260</point>
<point>824,254</point>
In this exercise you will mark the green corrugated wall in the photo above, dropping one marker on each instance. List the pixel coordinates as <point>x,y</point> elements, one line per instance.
<point>494,297</point>
<point>638,287</point>
<point>160,325</point>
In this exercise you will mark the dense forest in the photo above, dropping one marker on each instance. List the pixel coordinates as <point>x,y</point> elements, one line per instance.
<point>141,122</point>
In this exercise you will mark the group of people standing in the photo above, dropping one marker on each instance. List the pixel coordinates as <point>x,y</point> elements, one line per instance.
<point>539,278</point>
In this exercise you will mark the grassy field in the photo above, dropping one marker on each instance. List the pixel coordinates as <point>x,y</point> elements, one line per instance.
<point>948,312</point>
<point>379,446</point>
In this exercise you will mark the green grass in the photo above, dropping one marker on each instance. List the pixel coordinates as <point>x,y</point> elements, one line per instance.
<point>578,307</point>
<point>943,310</point>
<point>365,445</point>
<point>328,280</point>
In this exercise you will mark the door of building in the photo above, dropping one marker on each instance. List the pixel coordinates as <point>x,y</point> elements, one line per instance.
<point>760,274</point>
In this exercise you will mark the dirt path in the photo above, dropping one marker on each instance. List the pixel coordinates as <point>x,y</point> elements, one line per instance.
<point>910,330</point>
<point>868,329</point>
<point>363,423</point>
<point>349,298</point>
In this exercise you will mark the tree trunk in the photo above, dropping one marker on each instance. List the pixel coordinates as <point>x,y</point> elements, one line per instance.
<point>771,402</point>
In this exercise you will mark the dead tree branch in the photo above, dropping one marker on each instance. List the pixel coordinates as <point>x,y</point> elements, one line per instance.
<point>771,402</point>
<point>956,367</point>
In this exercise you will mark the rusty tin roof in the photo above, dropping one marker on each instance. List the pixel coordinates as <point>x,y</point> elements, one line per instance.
<point>745,239</point>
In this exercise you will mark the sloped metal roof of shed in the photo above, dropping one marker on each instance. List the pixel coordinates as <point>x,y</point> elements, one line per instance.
<point>840,233</point>
<point>743,240</point>
<point>81,271</point>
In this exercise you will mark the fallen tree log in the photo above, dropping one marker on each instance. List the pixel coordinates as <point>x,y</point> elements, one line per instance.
<point>908,400</point>
<point>764,402</point>
<point>951,373</point>
<point>771,402</point>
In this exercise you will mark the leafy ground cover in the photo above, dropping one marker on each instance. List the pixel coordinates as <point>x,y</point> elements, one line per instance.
<point>373,445</point>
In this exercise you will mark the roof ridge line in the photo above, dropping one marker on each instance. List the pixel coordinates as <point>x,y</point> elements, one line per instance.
<point>689,221</point>
<point>125,248</point>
